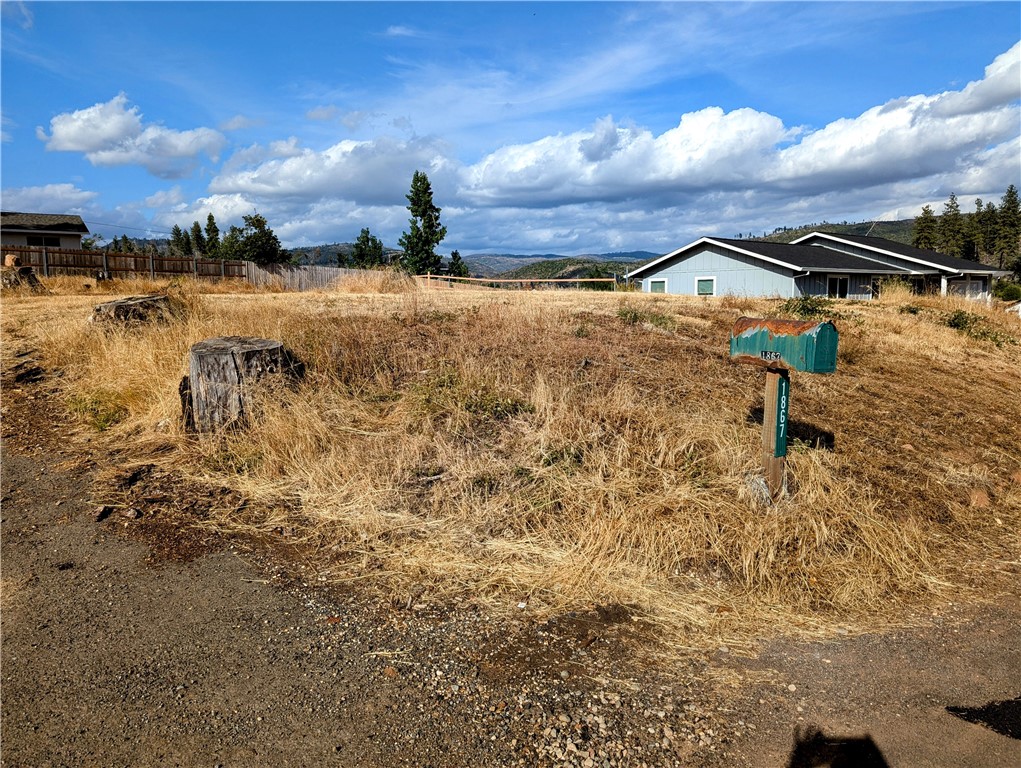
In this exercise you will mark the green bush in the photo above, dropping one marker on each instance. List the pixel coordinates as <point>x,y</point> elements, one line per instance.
<point>806,307</point>
<point>1005,290</point>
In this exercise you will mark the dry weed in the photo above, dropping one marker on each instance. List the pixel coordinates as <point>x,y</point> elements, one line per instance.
<point>476,443</point>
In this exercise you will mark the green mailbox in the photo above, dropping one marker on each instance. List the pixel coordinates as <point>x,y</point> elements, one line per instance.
<point>793,344</point>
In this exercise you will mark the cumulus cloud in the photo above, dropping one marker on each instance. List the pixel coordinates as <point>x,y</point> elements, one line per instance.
<point>49,198</point>
<point>747,157</point>
<point>113,134</point>
<point>709,149</point>
<point>369,172</point>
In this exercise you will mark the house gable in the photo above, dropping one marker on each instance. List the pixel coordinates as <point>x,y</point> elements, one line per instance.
<point>42,229</point>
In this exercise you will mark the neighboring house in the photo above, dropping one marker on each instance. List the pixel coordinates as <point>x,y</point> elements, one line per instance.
<point>926,269</point>
<point>815,265</point>
<point>48,230</point>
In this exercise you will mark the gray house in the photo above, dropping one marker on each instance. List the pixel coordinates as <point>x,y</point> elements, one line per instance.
<point>45,230</point>
<point>818,264</point>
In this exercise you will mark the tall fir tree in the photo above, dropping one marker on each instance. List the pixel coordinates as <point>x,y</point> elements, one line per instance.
<point>974,245</point>
<point>177,244</point>
<point>1008,231</point>
<point>951,229</point>
<point>926,234</point>
<point>419,244</point>
<point>198,240</point>
<point>988,223</point>
<point>212,238</point>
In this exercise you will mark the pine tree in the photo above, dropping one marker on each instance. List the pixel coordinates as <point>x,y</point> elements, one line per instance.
<point>212,238</point>
<point>988,223</point>
<point>951,229</point>
<point>925,235</point>
<point>420,243</point>
<point>367,252</point>
<point>186,246</point>
<point>457,268</point>
<point>974,245</point>
<point>198,240</point>
<point>1008,231</point>
<point>177,244</point>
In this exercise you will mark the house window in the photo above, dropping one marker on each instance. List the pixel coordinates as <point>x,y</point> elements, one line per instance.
<point>44,241</point>
<point>657,286</point>
<point>836,286</point>
<point>705,286</point>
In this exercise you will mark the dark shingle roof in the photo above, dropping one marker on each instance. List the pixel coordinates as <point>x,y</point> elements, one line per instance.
<point>810,257</point>
<point>43,222</point>
<point>915,254</point>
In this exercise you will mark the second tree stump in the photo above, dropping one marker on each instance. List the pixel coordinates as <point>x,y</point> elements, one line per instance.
<point>221,372</point>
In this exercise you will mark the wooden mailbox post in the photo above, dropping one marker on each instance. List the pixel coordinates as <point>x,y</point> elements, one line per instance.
<point>779,346</point>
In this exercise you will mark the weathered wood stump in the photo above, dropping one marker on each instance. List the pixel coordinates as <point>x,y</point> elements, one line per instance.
<point>222,371</point>
<point>21,277</point>
<point>134,310</point>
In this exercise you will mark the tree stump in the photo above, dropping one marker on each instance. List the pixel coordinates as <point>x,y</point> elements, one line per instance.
<point>16,278</point>
<point>134,310</point>
<point>222,370</point>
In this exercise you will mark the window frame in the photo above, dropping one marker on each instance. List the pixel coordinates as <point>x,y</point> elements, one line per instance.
<point>836,294</point>
<point>660,280</point>
<point>710,278</point>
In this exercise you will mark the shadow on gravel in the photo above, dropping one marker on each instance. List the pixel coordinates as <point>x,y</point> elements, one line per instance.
<point>1004,717</point>
<point>813,749</point>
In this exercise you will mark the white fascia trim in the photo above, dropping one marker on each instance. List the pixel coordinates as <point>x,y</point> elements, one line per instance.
<point>873,248</point>
<point>710,241</point>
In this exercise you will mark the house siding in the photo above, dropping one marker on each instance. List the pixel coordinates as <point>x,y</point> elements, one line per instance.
<point>735,273</point>
<point>817,284</point>
<point>70,242</point>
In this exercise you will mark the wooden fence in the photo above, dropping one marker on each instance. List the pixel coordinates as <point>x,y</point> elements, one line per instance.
<point>63,261</point>
<point>598,283</point>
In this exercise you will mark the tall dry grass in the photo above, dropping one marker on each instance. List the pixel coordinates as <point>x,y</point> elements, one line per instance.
<point>575,449</point>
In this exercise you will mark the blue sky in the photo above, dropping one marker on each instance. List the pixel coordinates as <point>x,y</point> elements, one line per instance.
<point>544,127</point>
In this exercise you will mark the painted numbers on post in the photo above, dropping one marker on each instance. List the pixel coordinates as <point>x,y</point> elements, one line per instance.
<point>783,407</point>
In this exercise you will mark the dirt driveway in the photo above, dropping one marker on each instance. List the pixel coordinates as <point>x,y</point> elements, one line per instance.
<point>137,640</point>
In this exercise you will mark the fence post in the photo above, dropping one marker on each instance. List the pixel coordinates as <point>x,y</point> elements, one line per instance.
<point>223,268</point>
<point>46,263</point>
<point>106,266</point>
<point>195,265</point>
<point>152,267</point>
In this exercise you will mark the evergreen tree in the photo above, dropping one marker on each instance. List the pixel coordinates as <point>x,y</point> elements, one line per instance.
<point>186,245</point>
<point>925,235</point>
<point>254,242</point>
<point>420,243</point>
<point>177,244</point>
<point>367,252</point>
<point>457,268</point>
<point>212,237</point>
<point>1008,231</point>
<point>198,240</point>
<point>988,223</point>
<point>951,229</point>
<point>973,243</point>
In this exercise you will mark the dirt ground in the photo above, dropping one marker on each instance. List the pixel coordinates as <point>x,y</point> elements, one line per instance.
<point>132,637</point>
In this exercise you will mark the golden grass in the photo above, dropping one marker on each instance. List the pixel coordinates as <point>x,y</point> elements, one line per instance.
<point>574,448</point>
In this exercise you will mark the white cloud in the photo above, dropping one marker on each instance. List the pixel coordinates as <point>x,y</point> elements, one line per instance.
<point>238,123</point>
<point>49,198</point>
<point>166,198</point>
<point>370,172</point>
<point>18,12</point>
<point>112,134</point>
<point>322,113</point>
<point>400,31</point>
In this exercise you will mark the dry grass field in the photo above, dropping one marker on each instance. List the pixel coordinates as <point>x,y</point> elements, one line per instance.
<point>553,450</point>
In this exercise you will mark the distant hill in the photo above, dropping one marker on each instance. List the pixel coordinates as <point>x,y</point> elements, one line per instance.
<point>493,264</point>
<point>898,231</point>
<point>570,267</point>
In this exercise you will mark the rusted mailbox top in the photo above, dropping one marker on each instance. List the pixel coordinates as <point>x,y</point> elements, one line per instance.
<point>798,344</point>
